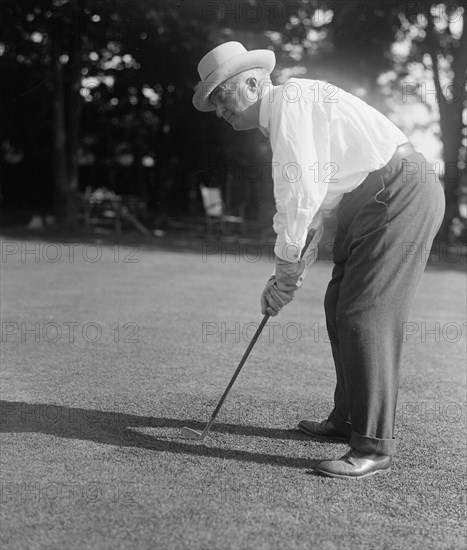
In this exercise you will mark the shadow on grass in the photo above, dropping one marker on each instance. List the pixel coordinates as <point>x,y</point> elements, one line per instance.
<point>115,428</point>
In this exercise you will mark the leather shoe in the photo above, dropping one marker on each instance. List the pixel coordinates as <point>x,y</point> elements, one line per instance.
<point>355,465</point>
<point>322,430</point>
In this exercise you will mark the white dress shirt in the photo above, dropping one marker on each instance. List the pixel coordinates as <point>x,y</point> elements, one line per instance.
<point>324,142</point>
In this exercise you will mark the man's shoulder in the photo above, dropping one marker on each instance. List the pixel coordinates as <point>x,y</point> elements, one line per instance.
<point>308,83</point>
<point>304,84</point>
<point>295,89</point>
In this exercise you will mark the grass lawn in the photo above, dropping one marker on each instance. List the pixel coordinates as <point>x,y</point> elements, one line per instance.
<point>107,353</point>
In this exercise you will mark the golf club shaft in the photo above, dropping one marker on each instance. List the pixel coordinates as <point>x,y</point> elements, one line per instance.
<point>312,238</point>
<point>237,372</point>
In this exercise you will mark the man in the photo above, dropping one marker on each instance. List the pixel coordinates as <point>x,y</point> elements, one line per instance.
<point>333,152</point>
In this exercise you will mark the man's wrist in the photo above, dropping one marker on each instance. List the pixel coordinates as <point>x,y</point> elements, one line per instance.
<point>287,251</point>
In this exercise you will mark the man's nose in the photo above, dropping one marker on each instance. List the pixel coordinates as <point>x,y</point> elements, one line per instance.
<point>220,110</point>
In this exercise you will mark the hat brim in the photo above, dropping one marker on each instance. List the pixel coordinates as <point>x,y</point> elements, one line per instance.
<point>264,59</point>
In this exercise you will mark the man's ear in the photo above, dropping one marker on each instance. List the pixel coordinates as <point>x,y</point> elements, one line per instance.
<point>252,83</point>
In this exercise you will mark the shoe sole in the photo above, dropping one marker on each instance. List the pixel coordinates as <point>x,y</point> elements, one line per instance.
<point>323,437</point>
<point>340,476</point>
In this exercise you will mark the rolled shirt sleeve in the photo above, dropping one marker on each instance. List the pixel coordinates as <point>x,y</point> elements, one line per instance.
<point>300,142</point>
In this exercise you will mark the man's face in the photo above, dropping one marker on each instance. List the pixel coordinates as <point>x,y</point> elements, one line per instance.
<point>235,101</point>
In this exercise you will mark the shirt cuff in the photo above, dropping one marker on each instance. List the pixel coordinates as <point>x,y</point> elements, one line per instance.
<point>287,251</point>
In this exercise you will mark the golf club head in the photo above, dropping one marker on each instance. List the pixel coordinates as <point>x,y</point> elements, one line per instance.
<point>188,433</point>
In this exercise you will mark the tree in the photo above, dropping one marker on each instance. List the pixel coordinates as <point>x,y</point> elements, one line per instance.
<point>351,43</point>
<point>126,64</point>
<point>447,51</point>
<point>51,39</point>
<point>102,77</point>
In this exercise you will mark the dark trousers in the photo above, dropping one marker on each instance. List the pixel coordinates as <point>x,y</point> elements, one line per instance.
<point>373,284</point>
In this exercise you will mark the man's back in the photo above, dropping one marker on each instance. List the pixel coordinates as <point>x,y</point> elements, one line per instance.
<point>338,137</point>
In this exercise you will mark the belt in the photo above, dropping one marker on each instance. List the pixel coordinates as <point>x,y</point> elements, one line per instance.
<point>402,151</point>
<point>389,171</point>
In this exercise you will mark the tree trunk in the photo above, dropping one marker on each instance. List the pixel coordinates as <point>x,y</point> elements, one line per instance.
<point>74,116</point>
<point>450,112</point>
<point>59,139</point>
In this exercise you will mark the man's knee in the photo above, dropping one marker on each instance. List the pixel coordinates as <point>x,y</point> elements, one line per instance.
<point>357,320</point>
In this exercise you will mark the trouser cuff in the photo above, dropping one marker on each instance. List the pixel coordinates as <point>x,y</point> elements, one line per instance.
<point>365,444</point>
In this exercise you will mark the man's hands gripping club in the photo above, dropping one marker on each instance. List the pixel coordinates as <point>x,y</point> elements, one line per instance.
<point>280,288</point>
<point>273,299</point>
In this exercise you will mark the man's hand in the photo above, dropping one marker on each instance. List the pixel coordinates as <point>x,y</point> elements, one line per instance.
<point>288,274</point>
<point>273,299</point>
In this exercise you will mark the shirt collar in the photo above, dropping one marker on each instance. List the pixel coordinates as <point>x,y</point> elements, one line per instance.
<point>265,111</point>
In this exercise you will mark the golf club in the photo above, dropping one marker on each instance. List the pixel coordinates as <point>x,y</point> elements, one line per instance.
<point>189,433</point>
<point>309,255</point>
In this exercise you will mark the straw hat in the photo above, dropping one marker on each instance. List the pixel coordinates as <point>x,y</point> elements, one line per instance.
<point>222,63</point>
